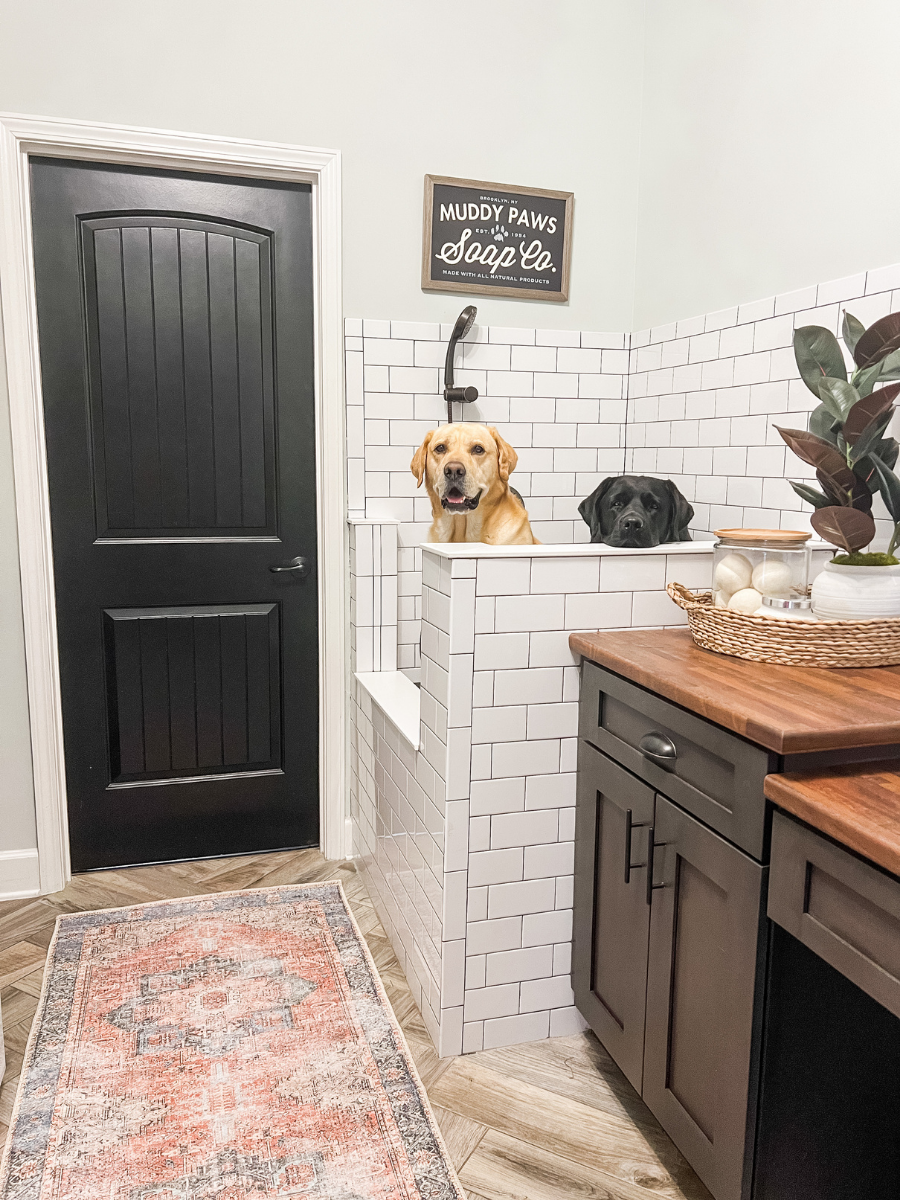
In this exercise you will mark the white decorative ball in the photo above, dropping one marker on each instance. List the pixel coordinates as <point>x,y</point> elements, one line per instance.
<point>733,573</point>
<point>747,600</point>
<point>772,578</point>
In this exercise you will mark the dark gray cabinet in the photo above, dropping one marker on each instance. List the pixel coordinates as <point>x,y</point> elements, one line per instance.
<point>613,822</point>
<point>704,963</point>
<point>669,942</point>
<point>767,1049</point>
<point>667,953</point>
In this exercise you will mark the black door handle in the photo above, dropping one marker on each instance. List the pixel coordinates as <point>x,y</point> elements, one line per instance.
<point>652,847</point>
<point>630,825</point>
<point>299,564</point>
<point>659,749</point>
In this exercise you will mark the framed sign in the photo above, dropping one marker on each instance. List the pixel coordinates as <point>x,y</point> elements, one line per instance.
<point>496,240</point>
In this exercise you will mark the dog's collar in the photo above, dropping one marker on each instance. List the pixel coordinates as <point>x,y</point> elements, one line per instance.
<point>466,505</point>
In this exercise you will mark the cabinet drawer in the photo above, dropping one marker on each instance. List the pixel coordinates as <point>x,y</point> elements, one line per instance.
<point>714,774</point>
<point>843,909</point>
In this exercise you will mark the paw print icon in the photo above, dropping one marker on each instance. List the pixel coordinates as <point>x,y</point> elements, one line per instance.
<point>498,233</point>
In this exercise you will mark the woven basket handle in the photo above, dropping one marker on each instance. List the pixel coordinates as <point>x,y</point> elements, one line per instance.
<point>682,596</point>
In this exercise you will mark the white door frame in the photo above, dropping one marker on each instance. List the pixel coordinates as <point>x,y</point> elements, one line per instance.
<point>21,136</point>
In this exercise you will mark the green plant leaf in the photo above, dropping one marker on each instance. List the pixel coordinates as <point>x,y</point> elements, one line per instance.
<point>888,451</point>
<point>844,527</point>
<point>865,380</point>
<point>890,366</point>
<point>868,409</point>
<point>870,436</point>
<point>879,340</point>
<point>838,396</point>
<point>888,485</point>
<point>831,468</point>
<point>824,425</point>
<point>818,356</point>
<point>852,330</point>
<point>810,495</point>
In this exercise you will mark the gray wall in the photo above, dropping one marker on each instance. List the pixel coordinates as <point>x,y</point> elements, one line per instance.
<point>766,160</point>
<point>719,150</point>
<point>512,91</point>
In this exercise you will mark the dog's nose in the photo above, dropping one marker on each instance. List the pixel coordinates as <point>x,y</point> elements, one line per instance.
<point>454,470</point>
<point>633,524</point>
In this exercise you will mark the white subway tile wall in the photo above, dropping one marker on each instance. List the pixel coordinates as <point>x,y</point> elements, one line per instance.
<point>468,845</point>
<point>373,595</point>
<point>694,401</point>
<point>704,396</point>
<point>467,842</point>
<point>558,397</point>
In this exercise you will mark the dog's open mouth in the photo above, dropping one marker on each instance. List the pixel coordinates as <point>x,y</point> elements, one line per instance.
<point>456,501</point>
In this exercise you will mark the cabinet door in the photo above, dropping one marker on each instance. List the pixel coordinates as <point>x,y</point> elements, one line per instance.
<point>705,963</point>
<point>612,916</point>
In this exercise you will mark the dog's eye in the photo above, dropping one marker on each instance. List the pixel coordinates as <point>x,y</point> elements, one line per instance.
<point>440,448</point>
<point>616,503</point>
<point>478,449</point>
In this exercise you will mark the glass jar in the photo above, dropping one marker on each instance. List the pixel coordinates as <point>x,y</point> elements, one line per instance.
<point>751,563</point>
<point>786,609</point>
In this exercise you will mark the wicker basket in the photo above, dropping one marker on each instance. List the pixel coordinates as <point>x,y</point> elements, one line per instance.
<point>791,643</point>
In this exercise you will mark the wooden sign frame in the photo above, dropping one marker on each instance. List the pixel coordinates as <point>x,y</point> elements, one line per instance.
<point>429,283</point>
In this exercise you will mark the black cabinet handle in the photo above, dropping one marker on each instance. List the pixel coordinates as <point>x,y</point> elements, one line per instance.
<point>629,826</point>
<point>659,749</point>
<point>299,564</point>
<point>652,846</point>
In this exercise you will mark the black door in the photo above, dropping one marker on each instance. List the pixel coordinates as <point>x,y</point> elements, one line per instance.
<point>176,334</point>
<point>612,906</point>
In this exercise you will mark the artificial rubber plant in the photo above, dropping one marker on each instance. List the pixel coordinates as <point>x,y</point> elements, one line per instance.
<point>846,441</point>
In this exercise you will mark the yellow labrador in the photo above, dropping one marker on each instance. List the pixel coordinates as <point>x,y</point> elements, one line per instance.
<point>466,470</point>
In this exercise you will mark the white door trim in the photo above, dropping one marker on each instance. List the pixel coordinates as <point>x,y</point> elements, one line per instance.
<point>21,136</point>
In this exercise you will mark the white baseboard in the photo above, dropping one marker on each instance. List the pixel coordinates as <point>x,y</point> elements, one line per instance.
<point>20,877</point>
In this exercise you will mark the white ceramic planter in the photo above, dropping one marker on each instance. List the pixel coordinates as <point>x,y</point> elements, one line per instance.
<point>856,593</point>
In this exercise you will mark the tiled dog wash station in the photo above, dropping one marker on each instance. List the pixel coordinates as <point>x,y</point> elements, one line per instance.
<point>462,790</point>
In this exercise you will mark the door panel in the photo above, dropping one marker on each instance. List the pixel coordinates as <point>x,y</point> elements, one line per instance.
<point>181,376</point>
<point>705,963</point>
<point>612,916</point>
<point>176,331</point>
<point>193,691</point>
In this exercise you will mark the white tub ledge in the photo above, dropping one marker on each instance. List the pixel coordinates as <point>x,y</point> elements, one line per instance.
<point>398,698</point>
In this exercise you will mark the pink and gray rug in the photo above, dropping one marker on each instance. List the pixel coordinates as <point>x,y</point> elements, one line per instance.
<point>229,1047</point>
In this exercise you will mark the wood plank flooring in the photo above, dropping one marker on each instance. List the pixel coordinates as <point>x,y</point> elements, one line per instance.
<point>551,1120</point>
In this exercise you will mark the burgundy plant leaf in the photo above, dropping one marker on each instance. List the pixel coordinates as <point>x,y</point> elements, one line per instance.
<point>860,493</point>
<point>844,527</point>
<point>869,409</point>
<point>831,468</point>
<point>879,340</point>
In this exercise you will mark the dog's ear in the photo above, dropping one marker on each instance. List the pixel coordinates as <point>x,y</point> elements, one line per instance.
<point>417,466</point>
<point>506,456</point>
<point>590,506</point>
<point>682,515</point>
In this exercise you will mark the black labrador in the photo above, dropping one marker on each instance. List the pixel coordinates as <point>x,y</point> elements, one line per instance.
<point>635,510</point>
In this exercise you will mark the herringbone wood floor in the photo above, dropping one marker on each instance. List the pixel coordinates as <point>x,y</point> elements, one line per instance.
<point>553,1120</point>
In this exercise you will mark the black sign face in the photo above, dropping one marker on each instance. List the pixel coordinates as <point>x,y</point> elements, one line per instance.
<point>494,240</point>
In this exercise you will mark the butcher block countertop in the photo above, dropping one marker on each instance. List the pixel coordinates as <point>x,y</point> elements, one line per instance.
<point>857,805</point>
<point>790,710</point>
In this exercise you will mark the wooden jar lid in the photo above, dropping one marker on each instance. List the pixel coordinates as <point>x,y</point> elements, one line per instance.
<point>774,537</point>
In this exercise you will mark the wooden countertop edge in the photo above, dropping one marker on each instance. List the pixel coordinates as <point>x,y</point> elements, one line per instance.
<point>879,845</point>
<point>694,701</point>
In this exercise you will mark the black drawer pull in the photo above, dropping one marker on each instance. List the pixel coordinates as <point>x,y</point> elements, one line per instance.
<point>629,826</point>
<point>652,847</point>
<point>659,749</point>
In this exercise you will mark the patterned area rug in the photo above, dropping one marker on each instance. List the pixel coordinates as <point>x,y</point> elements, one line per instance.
<point>229,1047</point>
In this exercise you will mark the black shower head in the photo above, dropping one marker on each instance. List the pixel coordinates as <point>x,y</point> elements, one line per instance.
<point>464,323</point>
